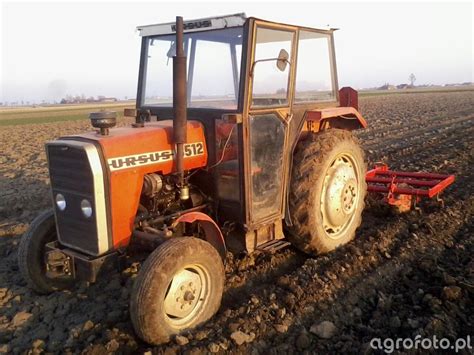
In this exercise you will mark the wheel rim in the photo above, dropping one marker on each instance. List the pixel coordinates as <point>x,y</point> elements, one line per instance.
<point>340,195</point>
<point>186,295</point>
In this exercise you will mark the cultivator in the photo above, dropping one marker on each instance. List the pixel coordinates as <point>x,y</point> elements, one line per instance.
<point>405,189</point>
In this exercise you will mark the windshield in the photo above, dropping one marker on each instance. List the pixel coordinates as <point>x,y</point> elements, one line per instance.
<point>213,59</point>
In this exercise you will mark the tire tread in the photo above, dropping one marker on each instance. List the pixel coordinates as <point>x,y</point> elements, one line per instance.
<point>309,158</point>
<point>156,262</point>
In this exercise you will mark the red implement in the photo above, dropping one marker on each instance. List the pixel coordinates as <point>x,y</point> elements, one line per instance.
<point>400,187</point>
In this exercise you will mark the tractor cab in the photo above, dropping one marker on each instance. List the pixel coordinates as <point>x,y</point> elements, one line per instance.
<point>251,83</point>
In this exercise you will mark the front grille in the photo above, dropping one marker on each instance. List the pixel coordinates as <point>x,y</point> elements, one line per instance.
<point>71,175</point>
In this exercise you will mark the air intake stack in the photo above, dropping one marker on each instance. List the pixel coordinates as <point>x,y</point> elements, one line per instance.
<point>103,120</point>
<point>180,105</point>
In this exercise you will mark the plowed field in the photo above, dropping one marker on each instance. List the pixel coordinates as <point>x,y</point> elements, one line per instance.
<point>404,275</point>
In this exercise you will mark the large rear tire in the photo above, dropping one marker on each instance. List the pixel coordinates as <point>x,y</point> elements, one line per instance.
<point>179,287</point>
<point>327,191</point>
<point>31,255</point>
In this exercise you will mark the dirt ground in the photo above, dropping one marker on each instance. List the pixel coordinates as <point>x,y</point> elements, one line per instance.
<point>403,276</point>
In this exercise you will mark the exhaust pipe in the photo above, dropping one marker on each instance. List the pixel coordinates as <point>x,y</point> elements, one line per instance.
<point>180,105</point>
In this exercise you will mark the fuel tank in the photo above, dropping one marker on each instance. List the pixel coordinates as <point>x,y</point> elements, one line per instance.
<point>128,154</point>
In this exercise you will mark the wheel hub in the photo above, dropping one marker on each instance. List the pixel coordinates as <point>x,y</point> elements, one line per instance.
<point>183,294</point>
<point>339,196</point>
<point>349,197</point>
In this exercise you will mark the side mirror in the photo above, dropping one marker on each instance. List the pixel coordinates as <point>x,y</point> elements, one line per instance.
<point>282,60</point>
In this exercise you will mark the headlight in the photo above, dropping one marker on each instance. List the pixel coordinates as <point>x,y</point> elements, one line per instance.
<point>86,208</point>
<point>60,202</point>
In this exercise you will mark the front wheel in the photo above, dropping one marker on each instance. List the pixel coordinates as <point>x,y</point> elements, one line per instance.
<point>31,255</point>
<point>179,287</point>
<point>327,191</point>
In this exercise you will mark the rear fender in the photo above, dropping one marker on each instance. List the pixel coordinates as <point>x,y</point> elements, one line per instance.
<point>212,232</point>
<point>346,116</point>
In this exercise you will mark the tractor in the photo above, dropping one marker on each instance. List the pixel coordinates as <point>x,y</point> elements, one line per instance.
<point>241,141</point>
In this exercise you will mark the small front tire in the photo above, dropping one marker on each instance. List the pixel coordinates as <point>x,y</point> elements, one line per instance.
<point>31,255</point>
<point>179,287</point>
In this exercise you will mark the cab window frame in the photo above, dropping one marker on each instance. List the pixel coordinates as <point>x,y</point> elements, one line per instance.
<point>332,64</point>
<point>290,79</point>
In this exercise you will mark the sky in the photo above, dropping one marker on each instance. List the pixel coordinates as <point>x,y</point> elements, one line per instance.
<point>51,49</point>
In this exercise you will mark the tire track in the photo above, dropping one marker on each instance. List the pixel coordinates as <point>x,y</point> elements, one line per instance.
<point>419,143</point>
<point>439,129</point>
<point>400,129</point>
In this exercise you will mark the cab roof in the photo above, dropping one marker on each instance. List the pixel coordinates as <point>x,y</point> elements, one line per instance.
<point>205,24</point>
<point>202,24</point>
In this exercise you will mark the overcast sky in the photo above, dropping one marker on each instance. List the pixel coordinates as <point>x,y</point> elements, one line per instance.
<point>50,49</point>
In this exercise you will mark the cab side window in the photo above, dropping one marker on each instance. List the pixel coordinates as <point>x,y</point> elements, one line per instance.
<point>314,80</point>
<point>270,84</point>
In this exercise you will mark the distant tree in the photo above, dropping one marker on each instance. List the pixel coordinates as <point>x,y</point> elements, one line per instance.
<point>412,79</point>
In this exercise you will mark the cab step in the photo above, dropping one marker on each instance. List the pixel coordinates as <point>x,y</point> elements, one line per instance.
<point>273,245</point>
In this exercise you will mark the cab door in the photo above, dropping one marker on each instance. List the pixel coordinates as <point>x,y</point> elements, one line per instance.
<point>266,120</point>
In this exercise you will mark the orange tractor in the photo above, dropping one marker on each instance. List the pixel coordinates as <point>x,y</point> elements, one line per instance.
<point>241,140</point>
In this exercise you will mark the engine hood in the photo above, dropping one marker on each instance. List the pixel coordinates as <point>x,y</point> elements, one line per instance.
<point>150,148</point>
<point>128,154</point>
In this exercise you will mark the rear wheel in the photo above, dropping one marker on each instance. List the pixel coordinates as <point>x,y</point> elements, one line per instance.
<point>327,191</point>
<point>31,255</point>
<point>179,287</point>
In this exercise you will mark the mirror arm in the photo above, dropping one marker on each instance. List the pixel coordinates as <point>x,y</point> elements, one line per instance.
<point>265,60</point>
